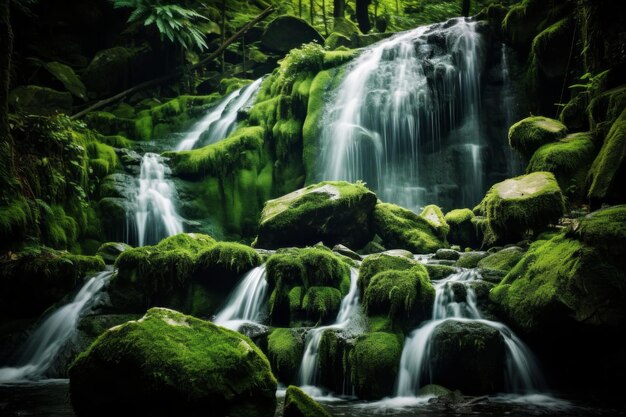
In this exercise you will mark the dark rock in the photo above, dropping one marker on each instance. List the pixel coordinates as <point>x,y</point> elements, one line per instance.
<point>288,32</point>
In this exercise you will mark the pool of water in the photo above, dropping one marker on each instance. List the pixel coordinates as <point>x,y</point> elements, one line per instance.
<point>50,398</point>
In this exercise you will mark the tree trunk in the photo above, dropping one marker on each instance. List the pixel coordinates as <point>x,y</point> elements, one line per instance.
<point>398,6</point>
<point>339,8</point>
<point>312,12</point>
<point>362,15</point>
<point>223,30</point>
<point>300,9</point>
<point>465,8</point>
<point>8,177</point>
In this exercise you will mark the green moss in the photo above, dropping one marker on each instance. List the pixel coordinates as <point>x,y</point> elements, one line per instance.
<point>295,300</point>
<point>14,218</point>
<point>568,159</point>
<point>68,78</point>
<point>240,150</point>
<point>190,242</point>
<point>403,229</point>
<point>503,260</point>
<point>339,57</point>
<point>458,216</point>
<point>336,40</point>
<point>322,303</point>
<point>560,280</point>
<point>435,217</point>
<point>116,141</point>
<point>403,295</point>
<point>181,362</point>
<point>437,272</point>
<point>226,261</point>
<point>528,135</point>
<point>374,264</point>
<point>284,350</point>
<point>312,127</point>
<point>375,361</point>
<point>298,404</point>
<point>604,228</point>
<point>470,259</point>
<point>462,229</point>
<point>103,158</point>
<point>607,172</point>
<point>380,324</point>
<point>517,205</point>
<point>552,46</point>
<point>228,85</point>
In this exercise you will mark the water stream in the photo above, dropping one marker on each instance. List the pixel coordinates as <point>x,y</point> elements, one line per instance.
<point>522,373</point>
<point>247,301</point>
<point>42,347</point>
<point>348,311</point>
<point>406,106</point>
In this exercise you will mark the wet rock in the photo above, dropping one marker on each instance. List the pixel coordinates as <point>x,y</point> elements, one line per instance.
<point>345,251</point>
<point>111,250</point>
<point>447,254</point>
<point>299,404</point>
<point>33,99</point>
<point>288,32</point>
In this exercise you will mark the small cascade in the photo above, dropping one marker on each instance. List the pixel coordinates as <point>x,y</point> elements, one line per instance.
<point>221,120</point>
<point>522,372</point>
<point>407,107</point>
<point>348,310</point>
<point>155,215</point>
<point>247,301</point>
<point>43,346</point>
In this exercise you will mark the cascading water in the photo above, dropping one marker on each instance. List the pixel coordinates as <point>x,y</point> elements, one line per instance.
<point>408,105</point>
<point>221,120</point>
<point>247,301</point>
<point>348,310</point>
<point>156,216</point>
<point>43,346</point>
<point>522,373</point>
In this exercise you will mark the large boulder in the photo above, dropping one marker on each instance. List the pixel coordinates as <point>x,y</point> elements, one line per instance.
<point>374,363</point>
<point>608,171</point>
<point>109,251</point>
<point>33,99</point>
<point>503,260</point>
<point>529,134</point>
<point>288,32</point>
<point>518,205</point>
<point>299,404</point>
<point>333,212</point>
<point>284,351</point>
<point>68,78</point>
<point>171,364</point>
<point>568,159</point>
<point>402,229</point>
<point>552,48</point>
<point>462,230</point>
<point>470,357</point>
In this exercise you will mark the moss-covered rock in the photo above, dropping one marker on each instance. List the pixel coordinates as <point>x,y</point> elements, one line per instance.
<point>374,264</point>
<point>109,251</point>
<point>565,280</point>
<point>150,275</point>
<point>321,304</point>
<point>528,135</point>
<point>292,273</point>
<point>574,113</point>
<point>433,215</point>
<point>168,363</point>
<point>605,228</point>
<point>223,263</point>
<point>437,272</point>
<point>462,230</point>
<point>403,229</point>
<point>503,260</point>
<point>470,259</point>
<point>336,40</point>
<point>36,278</point>
<point>521,204</point>
<point>68,78</point>
<point>608,172</point>
<point>289,32</point>
<point>470,357</point>
<point>284,351</point>
<point>332,212</point>
<point>374,364</point>
<point>299,404</point>
<point>33,99</point>
<point>552,47</point>
<point>568,159</point>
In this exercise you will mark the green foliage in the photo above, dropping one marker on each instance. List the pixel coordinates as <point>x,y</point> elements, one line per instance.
<point>181,362</point>
<point>178,24</point>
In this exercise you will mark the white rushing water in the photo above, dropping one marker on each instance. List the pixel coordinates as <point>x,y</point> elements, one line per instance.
<point>247,302</point>
<point>221,120</point>
<point>522,372</point>
<point>348,311</point>
<point>402,101</point>
<point>156,215</point>
<point>43,346</point>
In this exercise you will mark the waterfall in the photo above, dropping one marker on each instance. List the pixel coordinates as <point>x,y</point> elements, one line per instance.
<point>522,372</point>
<point>156,215</point>
<point>348,310</point>
<point>408,106</point>
<point>247,301</point>
<point>43,346</point>
<point>221,120</point>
